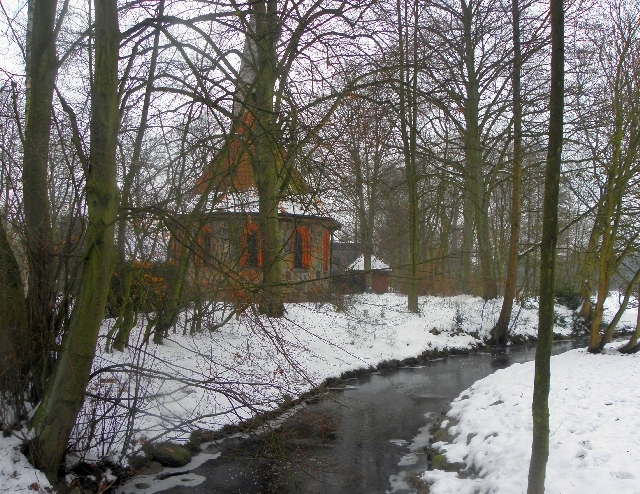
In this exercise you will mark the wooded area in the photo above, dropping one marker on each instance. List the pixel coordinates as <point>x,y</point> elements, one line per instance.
<point>421,126</point>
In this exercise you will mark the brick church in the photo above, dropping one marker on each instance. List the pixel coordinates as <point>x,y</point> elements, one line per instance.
<point>225,241</point>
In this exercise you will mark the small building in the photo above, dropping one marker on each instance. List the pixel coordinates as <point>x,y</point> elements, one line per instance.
<point>227,255</point>
<point>342,256</point>
<point>223,233</point>
<point>356,276</point>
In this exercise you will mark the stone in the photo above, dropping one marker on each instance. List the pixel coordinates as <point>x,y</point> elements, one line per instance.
<point>437,462</point>
<point>454,467</point>
<point>138,461</point>
<point>169,454</point>
<point>440,435</point>
<point>197,437</point>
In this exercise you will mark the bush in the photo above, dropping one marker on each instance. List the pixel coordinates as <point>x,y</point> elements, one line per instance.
<point>568,297</point>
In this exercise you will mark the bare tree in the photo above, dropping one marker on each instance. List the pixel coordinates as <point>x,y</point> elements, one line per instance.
<point>56,415</point>
<point>540,406</point>
<point>500,331</point>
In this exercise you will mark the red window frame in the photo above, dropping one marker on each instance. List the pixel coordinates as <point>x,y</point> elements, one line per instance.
<point>326,250</point>
<point>250,229</point>
<point>302,261</point>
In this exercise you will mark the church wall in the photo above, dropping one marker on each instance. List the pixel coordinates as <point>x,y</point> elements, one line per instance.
<point>214,273</point>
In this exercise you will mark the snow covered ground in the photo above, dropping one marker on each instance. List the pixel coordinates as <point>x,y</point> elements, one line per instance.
<point>594,448</point>
<point>594,445</point>
<point>251,364</point>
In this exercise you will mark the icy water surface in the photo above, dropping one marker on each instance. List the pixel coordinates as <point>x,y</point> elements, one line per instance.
<point>365,439</point>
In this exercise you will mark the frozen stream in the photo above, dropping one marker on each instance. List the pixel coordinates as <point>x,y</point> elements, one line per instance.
<point>365,439</point>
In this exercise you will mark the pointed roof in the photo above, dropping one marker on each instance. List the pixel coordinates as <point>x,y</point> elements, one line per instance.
<point>231,173</point>
<point>376,264</point>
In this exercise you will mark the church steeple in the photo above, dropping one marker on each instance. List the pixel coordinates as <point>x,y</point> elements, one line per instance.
<point>247,73</point>
<point>232,167</point>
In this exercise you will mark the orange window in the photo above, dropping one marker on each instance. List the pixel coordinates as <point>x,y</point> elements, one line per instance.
<point>326,250</point>
<point>251,247</point>
<point>301,254</point>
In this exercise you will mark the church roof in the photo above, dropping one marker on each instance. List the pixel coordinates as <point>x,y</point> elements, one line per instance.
<point>247,201</point>
<point>229,178</point>
<point>376,264</point>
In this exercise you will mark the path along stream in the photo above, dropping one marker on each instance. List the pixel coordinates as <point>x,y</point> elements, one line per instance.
<point>368,438</point>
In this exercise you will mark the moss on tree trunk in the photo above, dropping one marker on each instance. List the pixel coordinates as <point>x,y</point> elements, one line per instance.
<point>57,413</point>
<point>542,382</point>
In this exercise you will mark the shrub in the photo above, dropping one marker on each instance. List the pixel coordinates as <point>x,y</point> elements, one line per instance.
<point>569,297</point>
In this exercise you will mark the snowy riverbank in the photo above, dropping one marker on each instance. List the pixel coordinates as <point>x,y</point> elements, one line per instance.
<point>252,364</point>
<point>594,403</point>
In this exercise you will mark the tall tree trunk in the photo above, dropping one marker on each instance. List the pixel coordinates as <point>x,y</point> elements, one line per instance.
<point>467,240</point>
<point>267,151</point>
<point>57,413</point>
<point>42,66</point>
<point>606,258</point>
<point>542,382</point>
<point>364,219</point>
<point>500,332</point>
<point>588,268</point>
<point>475,182</point>
<point>407,90</point>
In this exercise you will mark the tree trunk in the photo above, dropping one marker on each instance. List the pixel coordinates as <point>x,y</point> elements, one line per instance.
<point>364,219</point>
<point>587,271</point>
<point>632,345</point>
<point>42,67</point>
<point>500,332</point>
<point>611,207</point>
<point>266,155</point>
<point>467,241</point>
<point>57,413</point>
<point>14,337</point>
<point>474,161</point>
<point>489,283</point>
<point>608,333</point>
<point>407,92</point>
<point>542,383</point>
<point>126,315</point>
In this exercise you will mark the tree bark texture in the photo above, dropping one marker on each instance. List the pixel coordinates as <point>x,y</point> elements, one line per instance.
<point>587,271</point>
<point>57,413</point>
<point>632,345</point>
<point>467,242</point>
<point>542,382</point>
